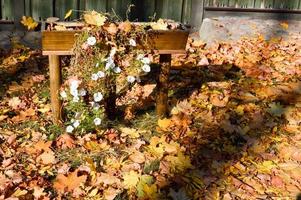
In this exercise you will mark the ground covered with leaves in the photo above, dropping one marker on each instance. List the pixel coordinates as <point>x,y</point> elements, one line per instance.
<point>233,133</point>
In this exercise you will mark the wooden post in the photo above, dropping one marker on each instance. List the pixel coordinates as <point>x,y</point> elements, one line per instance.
<point>55,84</point>
<point>19,11</point>
<point>110,98</point>
<point>162,85</point>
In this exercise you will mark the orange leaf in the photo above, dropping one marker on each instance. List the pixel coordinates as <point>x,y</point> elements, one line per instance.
<point>69,183</point>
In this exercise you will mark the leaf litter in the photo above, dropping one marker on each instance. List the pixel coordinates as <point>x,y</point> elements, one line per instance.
<point>233,134</point>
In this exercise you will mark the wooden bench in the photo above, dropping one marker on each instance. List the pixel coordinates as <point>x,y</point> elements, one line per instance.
<point>59,43</point>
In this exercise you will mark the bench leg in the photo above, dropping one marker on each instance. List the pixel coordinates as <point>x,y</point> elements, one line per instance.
<point>55,84</point>
<point>162,86</point>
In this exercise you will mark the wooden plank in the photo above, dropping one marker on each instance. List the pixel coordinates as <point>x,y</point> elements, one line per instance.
<point>170,9</point>
<point>28,11</point>
<point>63,6</point>
<point>41,9</point>
<point>197,13</point>
<point>7,9</point>
<point>97,5</point>
<point>55,84</point>
<point>162,86</point>
<point>186,11</point>
<point>19,11</point>
<point>62,41</point>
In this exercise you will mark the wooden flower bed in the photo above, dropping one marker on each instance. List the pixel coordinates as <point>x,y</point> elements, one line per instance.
<point>164,42</point>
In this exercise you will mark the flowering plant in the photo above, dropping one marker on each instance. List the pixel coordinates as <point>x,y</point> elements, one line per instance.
<point>108,57</point>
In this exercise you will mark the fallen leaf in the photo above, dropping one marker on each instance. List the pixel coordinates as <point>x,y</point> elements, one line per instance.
<point>29,22</point>
<point>131,132</point>
<point>137,157</point>
<point>130,179</point>
<point>46,158</point>
<point>94,18</point>
<point>69,183</point>
<point>68,14</point>
<point>65,141</point>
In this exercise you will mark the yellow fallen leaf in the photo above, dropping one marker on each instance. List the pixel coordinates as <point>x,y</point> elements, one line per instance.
<point>131,132</point>
<point>164,123</point>
<point>19,193</point>
<point>29,22</point>
<point>130,179</point>
<point>150,192</point>
<point>68,14</point>
<point>284,25</point>
<point>94,18</point>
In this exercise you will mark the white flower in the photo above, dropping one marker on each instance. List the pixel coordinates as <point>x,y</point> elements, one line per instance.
<point>63,94</point>
<point>69,129</point>
<point>145,60</point>
<point>75,99</point>
<point>76,123</point>
<point>140,56</point>
<point>113,51</point>
<point>97,65</point>
<point>110,63</point>
<point>98,97</point>
<point>146,68</point>
<point>100,74</point>
<point>94,77</point>
<point>82,92</point>
<point>97,121</point>
<point>91,41</point>
<point>117,70</point>
<point>131,79</point>
<point>132,42</point>
<point>74,92</point>
<point>74,84</point>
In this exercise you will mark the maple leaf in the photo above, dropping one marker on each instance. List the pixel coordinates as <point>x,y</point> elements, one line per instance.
<point>29,22</point>
<point>125,26</point>
<point>179,163</point>
<point>150,191</point>
<point>108,179</point>
<point>46,158</point>
<point>65,141</point>
<point>130,179</point>
<point>144,180</point>
<point>156,147</point>
<point>69,183</point>
<point>276,109</point>
<point>110,193</point>
<point>14,102</point>
<point>164,124</point>
<point>137,157</point>
<point>131,132</point>
<point>94,18</point>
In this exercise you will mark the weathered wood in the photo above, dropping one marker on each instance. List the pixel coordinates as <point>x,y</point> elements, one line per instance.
<point>41,9</point>
<point>162,86</point>
<point>63,6</point>
<point>55,84</point>
<point>7,9</point>
<point>98,5</point>
<point>19,11</point>
<point>162,41</point>
<point>58,40</point>
<point>171,9</point>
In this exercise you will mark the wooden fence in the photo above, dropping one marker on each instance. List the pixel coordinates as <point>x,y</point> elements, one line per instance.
<point>187,11</point>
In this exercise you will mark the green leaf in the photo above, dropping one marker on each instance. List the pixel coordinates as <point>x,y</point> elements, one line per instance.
<point>276,109</point>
